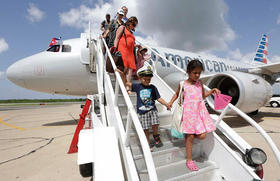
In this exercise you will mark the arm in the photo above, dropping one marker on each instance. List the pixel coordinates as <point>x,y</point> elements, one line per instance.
<point>108,30</point>
<point>163,102</point>
<point>118,35</point>
<point>208,93</point>
<point>102,26</point>
<point>129,85</point>
<point>175,96</point>
<point>138,50</point>
<point>105,33</point>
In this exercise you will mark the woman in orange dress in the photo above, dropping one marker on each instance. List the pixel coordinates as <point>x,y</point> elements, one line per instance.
<point>125,43</point>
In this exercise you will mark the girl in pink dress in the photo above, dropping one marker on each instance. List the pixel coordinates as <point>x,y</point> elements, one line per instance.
<point>196,121</point>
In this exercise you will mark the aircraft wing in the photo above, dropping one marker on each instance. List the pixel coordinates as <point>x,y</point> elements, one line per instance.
<point>273,67</point>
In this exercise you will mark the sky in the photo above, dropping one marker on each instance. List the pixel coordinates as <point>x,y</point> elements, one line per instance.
<point>224,28</point>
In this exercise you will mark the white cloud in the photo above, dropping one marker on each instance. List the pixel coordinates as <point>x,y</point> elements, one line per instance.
<point>3,45</point>
<point>275,58</point>
<point>278,20</point>
<point>79,17</point>
<point>236,55</point>
<point>34,13</point>
<point>193,25</point>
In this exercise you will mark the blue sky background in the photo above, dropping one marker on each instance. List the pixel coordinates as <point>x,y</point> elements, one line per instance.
<point>228,29</point>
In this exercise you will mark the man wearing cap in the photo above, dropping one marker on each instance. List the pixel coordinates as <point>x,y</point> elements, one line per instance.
<point>146,95</point>
<point>113,26</point>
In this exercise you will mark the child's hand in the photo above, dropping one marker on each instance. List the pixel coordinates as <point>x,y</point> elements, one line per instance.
<point>170,104</point>
<point>168,107</point>
<point>217,91</point>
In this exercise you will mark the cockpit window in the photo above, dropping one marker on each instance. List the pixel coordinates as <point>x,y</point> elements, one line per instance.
<point>66,48</point>
<point>54,48</point>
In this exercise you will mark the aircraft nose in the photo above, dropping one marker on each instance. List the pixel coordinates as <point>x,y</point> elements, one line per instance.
<point>14,74</point>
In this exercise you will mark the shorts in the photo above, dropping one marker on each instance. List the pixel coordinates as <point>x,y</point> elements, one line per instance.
<point>148,119</point>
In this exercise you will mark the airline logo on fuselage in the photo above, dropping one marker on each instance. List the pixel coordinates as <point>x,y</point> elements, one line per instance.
<point>208,65</point>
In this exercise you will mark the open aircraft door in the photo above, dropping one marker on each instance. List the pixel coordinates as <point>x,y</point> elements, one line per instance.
<point>88,50</point>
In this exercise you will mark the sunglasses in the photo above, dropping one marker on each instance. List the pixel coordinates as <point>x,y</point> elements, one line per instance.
<point>134,24</point>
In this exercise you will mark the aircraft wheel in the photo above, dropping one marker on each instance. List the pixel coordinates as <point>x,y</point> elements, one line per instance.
<point>86,170</point>
<point>274,104</point>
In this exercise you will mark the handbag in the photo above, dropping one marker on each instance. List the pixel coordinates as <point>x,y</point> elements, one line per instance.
<point>176,123</point>
<point>117,56</point>
<point>221,101</point>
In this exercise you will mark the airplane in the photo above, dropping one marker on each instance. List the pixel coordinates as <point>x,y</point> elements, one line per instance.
<point>65,68</point>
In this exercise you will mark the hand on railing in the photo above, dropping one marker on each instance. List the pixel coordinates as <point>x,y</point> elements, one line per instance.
<point>113,49</point>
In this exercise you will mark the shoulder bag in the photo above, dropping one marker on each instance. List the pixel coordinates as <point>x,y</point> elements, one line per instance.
<point>176,123</point>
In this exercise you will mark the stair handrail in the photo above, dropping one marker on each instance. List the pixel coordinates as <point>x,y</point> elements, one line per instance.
<point>238,111</point>
<point>100,83</point>
<point>134,118</point>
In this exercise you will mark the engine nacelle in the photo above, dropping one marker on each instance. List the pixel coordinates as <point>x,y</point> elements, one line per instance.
<point>249,92</point>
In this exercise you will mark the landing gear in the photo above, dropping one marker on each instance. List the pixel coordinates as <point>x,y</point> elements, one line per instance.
<point>86,169</point>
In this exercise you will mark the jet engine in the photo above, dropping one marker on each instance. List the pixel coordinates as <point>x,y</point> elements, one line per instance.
<point>249,92</point>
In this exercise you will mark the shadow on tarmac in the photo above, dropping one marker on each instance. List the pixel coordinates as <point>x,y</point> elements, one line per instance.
<point>62,123</point>
<point>237,121</point>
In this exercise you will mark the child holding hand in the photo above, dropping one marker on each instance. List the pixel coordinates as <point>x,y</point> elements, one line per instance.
<point>146,109</point>
<point>196,121</point>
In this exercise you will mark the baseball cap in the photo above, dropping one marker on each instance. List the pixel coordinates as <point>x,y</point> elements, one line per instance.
<point>121,12</point>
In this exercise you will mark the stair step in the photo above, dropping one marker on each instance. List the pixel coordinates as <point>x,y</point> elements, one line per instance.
<point>178,171</point>
<point>166,155</point>
<point>164,136</point>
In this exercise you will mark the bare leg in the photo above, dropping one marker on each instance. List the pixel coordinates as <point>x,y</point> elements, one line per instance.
<point>155,129</point>
<point>122,76</point>
<point>200,136</point>
<point>189,142</point>
<point>129,74</point>
<point>147,135</point>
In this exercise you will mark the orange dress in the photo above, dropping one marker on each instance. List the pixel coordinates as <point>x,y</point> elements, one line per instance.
<point>127,49</point>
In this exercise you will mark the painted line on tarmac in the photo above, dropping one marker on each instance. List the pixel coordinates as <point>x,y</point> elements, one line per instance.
<point>10,125</point>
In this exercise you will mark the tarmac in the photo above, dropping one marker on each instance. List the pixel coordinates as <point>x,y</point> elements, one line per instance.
<point>34,141</point>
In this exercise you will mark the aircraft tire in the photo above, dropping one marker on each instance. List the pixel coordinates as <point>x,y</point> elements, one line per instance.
<point>274,104</point>
<point>86,170</point>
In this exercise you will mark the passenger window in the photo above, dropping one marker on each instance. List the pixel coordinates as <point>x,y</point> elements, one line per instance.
<point>54,48</point>
<point>66,48</point>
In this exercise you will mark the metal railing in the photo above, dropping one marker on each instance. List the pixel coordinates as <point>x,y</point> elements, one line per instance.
<point>229,106</point>
<point>100,86</point>
<point>132,117</point>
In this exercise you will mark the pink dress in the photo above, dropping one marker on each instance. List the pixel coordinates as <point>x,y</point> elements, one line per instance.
<point>196,119</point>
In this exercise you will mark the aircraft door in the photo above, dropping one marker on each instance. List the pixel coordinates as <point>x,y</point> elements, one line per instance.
<point>84,55</point>
<point>88,51</point>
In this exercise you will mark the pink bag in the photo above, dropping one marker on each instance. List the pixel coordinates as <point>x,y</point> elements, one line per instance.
<point>221,101</point>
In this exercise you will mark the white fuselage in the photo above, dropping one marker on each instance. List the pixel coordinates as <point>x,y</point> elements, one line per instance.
<point>68,72</point>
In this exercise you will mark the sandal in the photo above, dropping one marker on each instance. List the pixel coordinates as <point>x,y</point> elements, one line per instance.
<point>158,142</point>
<point>151,147</point>
<point>191,165</point>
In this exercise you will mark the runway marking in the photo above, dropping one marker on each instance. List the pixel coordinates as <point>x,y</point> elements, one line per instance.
<point>10,125</point>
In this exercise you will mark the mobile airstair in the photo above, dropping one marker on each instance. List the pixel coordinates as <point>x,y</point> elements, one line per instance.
<point>115,147</point>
